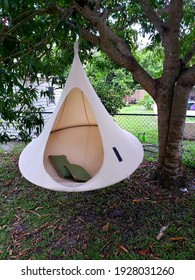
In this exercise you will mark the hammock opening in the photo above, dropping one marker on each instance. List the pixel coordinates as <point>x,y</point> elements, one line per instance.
<point>75,134</point>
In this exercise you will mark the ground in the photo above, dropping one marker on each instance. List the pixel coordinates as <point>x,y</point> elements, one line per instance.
<point>118,222</point>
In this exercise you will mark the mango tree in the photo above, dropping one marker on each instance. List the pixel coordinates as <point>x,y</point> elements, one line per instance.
<point>35,36</point>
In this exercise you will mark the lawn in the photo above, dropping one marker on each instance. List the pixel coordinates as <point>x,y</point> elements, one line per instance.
<point>142,126</point>
<point>146,129</point>
<point>118,222</point>
<point>136,109</point>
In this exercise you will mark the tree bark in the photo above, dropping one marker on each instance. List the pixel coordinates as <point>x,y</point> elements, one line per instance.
<point>172,107</point>
<point>171,122</point>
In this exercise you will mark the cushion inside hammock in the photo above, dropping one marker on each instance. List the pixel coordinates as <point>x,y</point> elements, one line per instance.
<point>67,170</point>
<point>59,163</point>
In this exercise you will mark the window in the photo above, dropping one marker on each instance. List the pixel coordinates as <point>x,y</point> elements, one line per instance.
<point>51,98</point>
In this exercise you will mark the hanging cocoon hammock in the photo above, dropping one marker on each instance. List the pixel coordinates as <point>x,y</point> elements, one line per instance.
<point>81,147</point>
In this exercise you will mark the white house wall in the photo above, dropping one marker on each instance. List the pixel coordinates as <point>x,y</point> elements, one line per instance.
<point>40,102</point>
<point>44,101</point>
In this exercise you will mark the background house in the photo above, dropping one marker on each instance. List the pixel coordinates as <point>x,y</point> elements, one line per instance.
<point>137,95</point>
<point>47,103</point>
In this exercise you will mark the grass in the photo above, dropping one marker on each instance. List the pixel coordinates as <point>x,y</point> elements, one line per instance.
<point>146,129</point>
<point>119,222</point>
<point>135,109</point>
<point>188,155</point>
<point>143,127</point>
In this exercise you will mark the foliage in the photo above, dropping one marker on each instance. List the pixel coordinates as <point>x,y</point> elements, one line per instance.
<point>36,41</point>
<point>151,58</point>
<point>147,101</point>
<point>187,30</point>
<point>16,105</point>
<point>33,47</point>
<point>110,82</point>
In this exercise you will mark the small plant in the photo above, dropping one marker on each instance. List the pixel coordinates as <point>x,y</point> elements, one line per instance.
<point>147,101</point>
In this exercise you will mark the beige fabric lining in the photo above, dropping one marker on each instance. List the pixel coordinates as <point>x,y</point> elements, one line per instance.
<point>75,133</point>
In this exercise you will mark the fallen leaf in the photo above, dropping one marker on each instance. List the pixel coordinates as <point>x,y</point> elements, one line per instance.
<point>41,227</point>
<point>33,212</point>
<point>161,232</point>
<point>80,219</point>
<point>77,251</point>
<point>136,200</point>
<point>122,248</point>
<point>180,238</point>
<point>144,252</point>
<point>105,228</point>
<point>18,218</point>
<point>8,182</point>
<point>147,251</point>
<point>105,246</point>
<point>44,225</point>
<point>21,253</point>
<point>151,246</point>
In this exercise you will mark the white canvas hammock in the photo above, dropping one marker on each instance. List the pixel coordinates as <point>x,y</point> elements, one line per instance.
<point>83,132</point>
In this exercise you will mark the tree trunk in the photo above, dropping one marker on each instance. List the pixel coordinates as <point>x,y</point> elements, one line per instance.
<point>172,106</point>
<point>170,92</point>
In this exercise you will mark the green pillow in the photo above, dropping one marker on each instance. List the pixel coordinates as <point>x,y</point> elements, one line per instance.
<point>67,170</point>
<point>59,163</point>
<point>78,172</point>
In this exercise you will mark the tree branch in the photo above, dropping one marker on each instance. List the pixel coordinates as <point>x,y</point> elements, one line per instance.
<point>175,14</point>
<point>88,36</point>
<point>153,17</point>
<point>172,63</point>
<point>22,22</point>
<point>20,16</point>
<point>23,52</point>
<point>187,77</point>
<point>106,12</point>
<point>38,45</point>
<point>114,47</point>
<point>188,55</point>
<point>97,6</point>
<point>30,15</point>
<point>163,10</point>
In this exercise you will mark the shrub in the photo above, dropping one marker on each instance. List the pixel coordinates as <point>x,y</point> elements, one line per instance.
<point>147,101</point>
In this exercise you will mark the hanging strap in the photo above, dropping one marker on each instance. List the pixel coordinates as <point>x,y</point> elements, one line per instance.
<point>117,154</point>
<point>76,47</point>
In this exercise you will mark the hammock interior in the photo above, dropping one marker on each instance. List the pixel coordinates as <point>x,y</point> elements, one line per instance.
<point>75,135</point>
